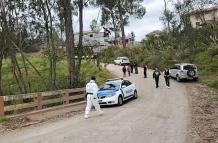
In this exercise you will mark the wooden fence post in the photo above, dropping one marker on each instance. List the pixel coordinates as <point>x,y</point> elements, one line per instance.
<point>1,106</point>
<point>66,98</point>
<point>38,101</point>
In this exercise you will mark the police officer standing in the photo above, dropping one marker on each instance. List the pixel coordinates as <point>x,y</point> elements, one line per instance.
<point>156,76</point>
<point>145,71</point>
<point>167,77</point>
<point>92,99</point>
<point>124,71</point>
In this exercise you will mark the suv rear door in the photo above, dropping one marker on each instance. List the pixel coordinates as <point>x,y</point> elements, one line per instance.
<point>189,67</point>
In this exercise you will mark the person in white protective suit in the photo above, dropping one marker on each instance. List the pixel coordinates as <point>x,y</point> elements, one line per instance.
<point>92,99</point>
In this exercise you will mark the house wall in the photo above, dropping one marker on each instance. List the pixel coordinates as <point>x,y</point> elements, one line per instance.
<point>92,38</point>
<point>208,16</point>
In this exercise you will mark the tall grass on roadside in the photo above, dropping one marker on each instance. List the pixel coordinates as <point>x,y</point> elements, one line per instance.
<point>38,84</point>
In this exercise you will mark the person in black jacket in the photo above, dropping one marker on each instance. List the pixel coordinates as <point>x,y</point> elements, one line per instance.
<point>145,71</point>
<point>136,68</point>
<point>124,71</point>
<point>156,76</point>
<point>131,65</point>
<point>167,77</point>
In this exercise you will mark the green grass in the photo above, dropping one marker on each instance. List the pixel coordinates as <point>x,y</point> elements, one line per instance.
<point>208,68</point>
<point>42,84</point>
<point>4,120</point>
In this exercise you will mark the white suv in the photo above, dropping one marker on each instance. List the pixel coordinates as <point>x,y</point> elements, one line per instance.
<point>121,61</point>
<point>184,71</point>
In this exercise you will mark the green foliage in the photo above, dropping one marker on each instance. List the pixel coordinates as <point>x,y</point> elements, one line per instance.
<point>4,120</point>
<point>88,69</point>
<point>206,59</point>
<point>42,84</point>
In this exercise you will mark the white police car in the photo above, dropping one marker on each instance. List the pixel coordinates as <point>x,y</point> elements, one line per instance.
<point>116,91</point>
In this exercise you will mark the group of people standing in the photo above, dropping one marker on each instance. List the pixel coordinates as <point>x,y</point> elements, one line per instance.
<point>156,74</point>
<point>129,69</point>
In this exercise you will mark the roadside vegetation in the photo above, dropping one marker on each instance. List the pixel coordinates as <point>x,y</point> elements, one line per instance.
<point>38,84</point>
<point>178,43</point>
<point>48,26</point>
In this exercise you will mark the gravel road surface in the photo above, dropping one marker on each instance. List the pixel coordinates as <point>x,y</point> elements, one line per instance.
<point>158,116</point>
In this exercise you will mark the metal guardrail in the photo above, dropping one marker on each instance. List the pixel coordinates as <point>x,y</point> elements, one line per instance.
<point>38,101</point>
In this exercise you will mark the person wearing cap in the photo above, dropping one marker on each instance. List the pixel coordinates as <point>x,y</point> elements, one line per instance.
<point>92,99</point>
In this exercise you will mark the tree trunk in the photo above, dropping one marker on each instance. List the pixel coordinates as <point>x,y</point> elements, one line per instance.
<point>80,45</point>
<point>53,49</point>
<point>69,41</point>
<point>165,13</point>
<point>122,25</point>
<point>115,28</point>
<point>16,74</point>
<point>1,62</point>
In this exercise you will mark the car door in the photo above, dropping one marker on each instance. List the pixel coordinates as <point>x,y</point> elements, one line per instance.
<point>127,89</point>
<point>130,88</point>
<point>172,71</point>
<point>123,89</point>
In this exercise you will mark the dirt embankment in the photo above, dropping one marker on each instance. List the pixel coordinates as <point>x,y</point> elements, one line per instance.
<point>204,105</point>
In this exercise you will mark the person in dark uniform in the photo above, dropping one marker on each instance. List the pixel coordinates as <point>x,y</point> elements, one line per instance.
<point>124,71</point>
<point>131,65</point>
<point>167,77</point>
<point>156,76</point>
<point>129,69</point>
<point>136,68</point>
<point>145,71</point>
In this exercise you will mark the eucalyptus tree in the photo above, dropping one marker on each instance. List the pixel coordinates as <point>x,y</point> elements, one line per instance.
<point>66,9</point>
<point>11,36</point>
<point>123,9</point>
<point>45,16</point>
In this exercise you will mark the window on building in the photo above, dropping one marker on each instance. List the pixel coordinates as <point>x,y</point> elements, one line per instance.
<point>198,23</point>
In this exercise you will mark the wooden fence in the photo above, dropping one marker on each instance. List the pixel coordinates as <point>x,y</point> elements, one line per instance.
<point>35,101</point>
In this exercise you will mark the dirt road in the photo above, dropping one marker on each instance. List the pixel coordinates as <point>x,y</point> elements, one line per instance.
<point>157,116</point>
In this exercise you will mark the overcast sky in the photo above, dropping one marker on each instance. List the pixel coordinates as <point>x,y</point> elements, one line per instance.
<point>150,22</point>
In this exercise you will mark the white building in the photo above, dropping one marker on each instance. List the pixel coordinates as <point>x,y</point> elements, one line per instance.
<point>203,17</point>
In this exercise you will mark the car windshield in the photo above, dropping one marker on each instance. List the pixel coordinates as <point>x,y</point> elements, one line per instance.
<point>108,86</point>
<point>188,67</point>
<point>112,84</point>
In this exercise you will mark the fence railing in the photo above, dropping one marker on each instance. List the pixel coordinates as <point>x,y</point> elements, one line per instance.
<point>14,104</point>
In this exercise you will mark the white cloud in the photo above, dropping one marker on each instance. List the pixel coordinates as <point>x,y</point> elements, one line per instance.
<point>148,23</point>
<point>151,20</point>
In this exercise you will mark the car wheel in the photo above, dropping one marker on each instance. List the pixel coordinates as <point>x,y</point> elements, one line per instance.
<point>178,78</point>
<point>191,73</point>
<point>135,95</point>
<point>120,100</point>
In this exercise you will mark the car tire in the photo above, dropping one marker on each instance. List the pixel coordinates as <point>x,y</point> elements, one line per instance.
<point>120,100</point>
<point>178,78</point>
<point>135,96</point>
<point>191,73</point>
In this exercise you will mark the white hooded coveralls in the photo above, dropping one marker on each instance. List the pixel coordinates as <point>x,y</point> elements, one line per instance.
<point>92,99</point>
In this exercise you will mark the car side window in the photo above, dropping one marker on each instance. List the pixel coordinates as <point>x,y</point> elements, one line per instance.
<point>123,83</point>
<point>128,83</point>
<point>177,67</point>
